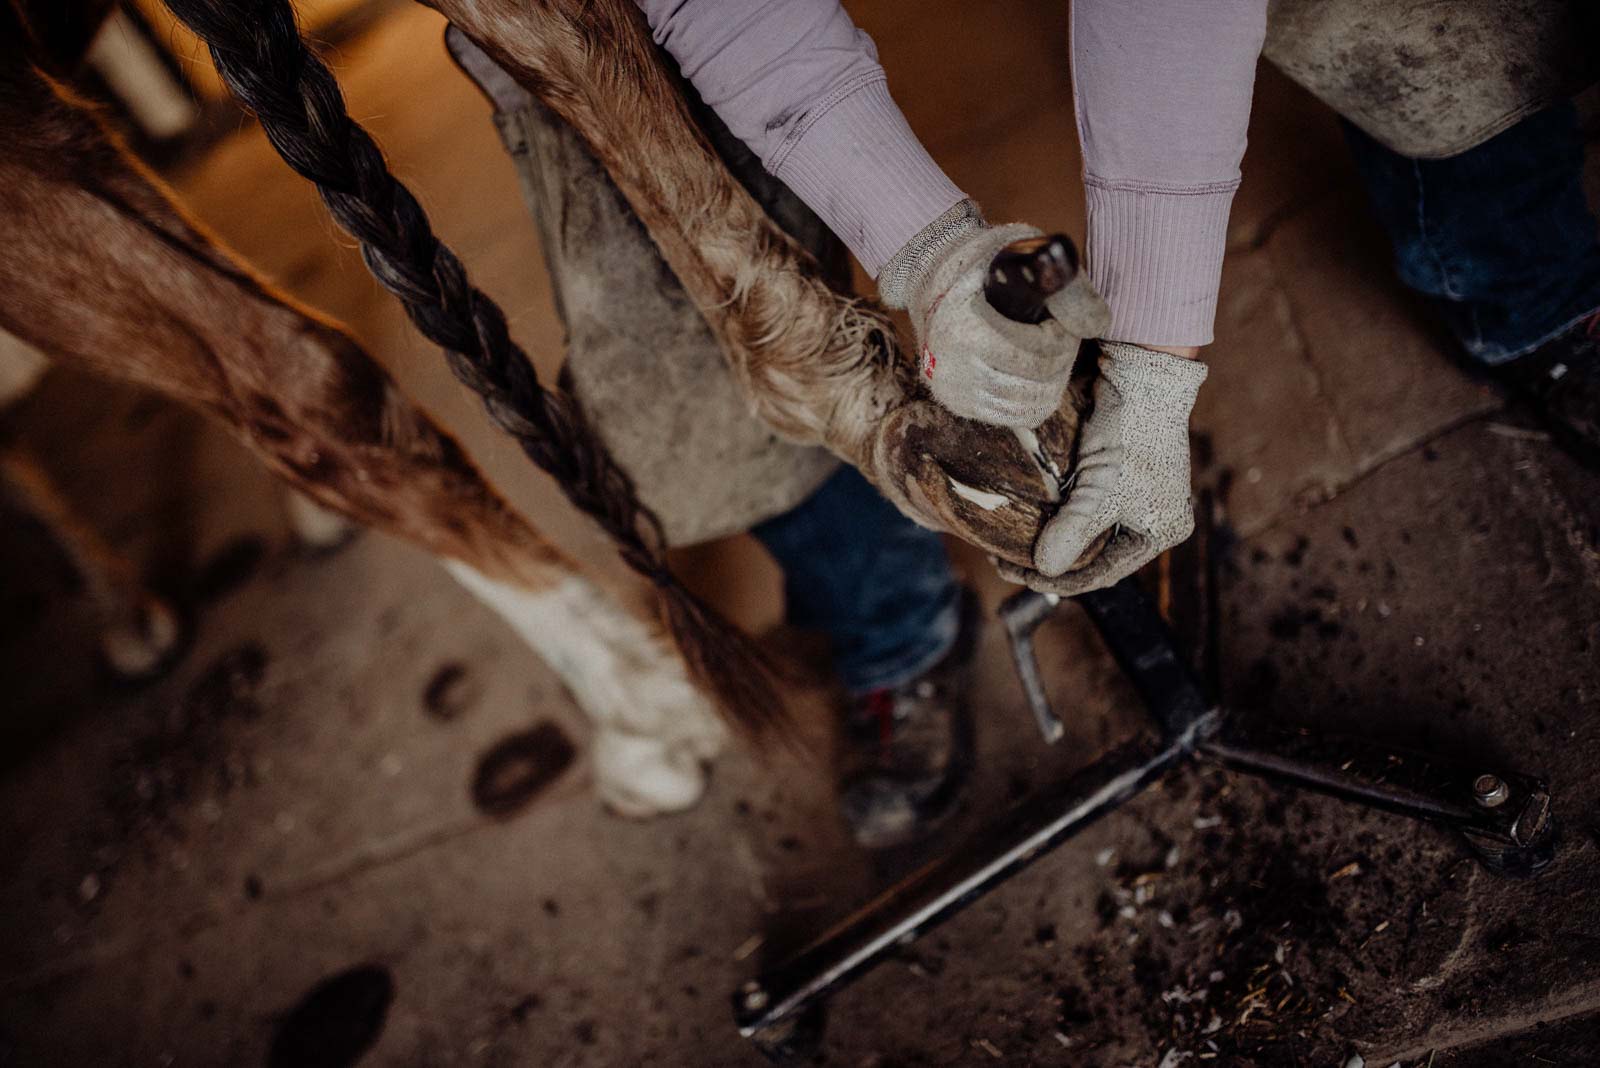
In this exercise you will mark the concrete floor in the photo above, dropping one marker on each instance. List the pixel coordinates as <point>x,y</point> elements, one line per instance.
<point>181,866</point>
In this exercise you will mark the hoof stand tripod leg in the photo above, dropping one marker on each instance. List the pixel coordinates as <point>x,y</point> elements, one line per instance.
<point>1505,818</point>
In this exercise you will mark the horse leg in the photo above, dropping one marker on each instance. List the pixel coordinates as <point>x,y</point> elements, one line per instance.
<point>817,365</point>
<point>139,632</point>
<point>653,734</point>
<point>100,268</point>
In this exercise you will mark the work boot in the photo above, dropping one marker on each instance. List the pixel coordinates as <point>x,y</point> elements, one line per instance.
<point>908,749</point>
<point>1561,379</point>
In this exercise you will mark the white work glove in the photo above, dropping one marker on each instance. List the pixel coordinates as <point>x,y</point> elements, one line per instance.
<point>1132,475</point>
<point>976,362</point>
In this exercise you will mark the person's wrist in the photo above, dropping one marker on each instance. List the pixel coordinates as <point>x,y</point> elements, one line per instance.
<point>905,271</point>
<point>1152,372</point>
<point>1188,352</point>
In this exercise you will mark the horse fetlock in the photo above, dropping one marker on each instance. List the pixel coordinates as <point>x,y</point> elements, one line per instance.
<point>639,776</point>
<point>622,674</point>
<point>143,639</point>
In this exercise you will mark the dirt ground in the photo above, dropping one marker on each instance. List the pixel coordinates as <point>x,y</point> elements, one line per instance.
<point>282,852</point>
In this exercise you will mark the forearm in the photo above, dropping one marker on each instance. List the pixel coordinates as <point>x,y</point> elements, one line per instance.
<point>801,85</point>
<point>1162,89</point>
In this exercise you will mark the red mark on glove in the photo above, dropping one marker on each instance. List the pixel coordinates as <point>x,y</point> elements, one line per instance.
<point>929,361</point>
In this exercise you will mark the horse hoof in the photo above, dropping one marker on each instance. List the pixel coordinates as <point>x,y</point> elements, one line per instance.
<point>318,529</point>
<point>145,642</point>
<point>639,777</point>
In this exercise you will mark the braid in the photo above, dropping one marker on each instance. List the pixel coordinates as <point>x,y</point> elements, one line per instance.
<point>258,50</point>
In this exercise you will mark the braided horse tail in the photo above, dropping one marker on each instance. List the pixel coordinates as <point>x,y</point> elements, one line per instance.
<point>258,50</point>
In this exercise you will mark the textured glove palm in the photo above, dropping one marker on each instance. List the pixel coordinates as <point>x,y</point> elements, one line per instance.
<point>1132,476</point>
<point>976,362</point>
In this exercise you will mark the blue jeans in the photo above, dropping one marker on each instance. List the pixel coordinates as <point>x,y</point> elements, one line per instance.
<point>1499,237</point>
<point>879,586</point>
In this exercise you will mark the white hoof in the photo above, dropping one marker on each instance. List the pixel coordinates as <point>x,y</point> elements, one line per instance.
<point>653,728</point>
<point>317,527</point>
<point>142,643</point>
<point>665,705</point>
<point>641,777</point>
<point>704,731</point>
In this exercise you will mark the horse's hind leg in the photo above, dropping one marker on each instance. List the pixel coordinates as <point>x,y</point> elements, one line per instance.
<point>139,632</point>
<point>653,733</point>
<point>100,268</point>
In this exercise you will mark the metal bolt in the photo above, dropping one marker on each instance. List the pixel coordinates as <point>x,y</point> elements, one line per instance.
<point>755,998</point>
<point>1490,791</point>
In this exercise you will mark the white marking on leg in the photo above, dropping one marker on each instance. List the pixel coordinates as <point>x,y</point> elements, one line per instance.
<point>653,727</point>
<point>639,777</point>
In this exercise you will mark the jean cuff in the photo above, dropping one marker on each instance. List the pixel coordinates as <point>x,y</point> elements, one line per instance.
<point>889,672</point>
<point>1494,354</point>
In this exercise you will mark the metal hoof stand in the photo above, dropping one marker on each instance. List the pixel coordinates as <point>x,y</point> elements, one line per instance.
<point>1503,817</point>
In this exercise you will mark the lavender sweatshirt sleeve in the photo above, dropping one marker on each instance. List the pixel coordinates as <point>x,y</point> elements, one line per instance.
<point>1162,89</point>
<point>801,85</point>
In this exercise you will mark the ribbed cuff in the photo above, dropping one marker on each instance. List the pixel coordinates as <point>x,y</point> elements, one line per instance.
<point>900,277</point>
<point>856,163</point>
<point>1156,258</point>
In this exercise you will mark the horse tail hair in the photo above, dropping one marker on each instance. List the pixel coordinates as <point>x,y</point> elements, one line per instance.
<point>261,55</point>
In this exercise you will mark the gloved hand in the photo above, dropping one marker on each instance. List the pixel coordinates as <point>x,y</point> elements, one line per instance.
<point>1132,477</point>
<point>976,362</point>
